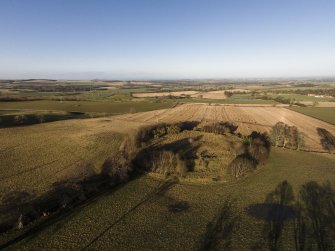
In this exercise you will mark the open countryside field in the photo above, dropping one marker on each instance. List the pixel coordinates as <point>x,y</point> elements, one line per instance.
<point>299,97</point>
<point>111,108</point>
<point>248,119</point>
<point>326,114</point>
<point>220,94</point>
<point>45,153</point>
<point>35,157</point>
<point>136,216</point>
<point>319,104</point>
<point>163,94</point>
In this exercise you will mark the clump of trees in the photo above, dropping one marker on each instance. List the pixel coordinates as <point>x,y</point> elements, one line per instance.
<point>255,151</point>
<point>164,162</point>
<point>219,128</point>
<point>327,140</point>
<point>145,134</point>
<point>228,94</point>
<point>283,135</point>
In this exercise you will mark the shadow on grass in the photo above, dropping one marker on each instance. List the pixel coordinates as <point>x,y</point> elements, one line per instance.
<point>159,191</point>
<point>311,217</point>
<point>220,230</point>
<point>21,209</point>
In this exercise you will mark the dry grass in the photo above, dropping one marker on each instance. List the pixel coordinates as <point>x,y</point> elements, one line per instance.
<point>34,157</point>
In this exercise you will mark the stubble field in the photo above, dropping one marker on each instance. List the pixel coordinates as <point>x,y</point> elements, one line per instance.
<point>248,119</point>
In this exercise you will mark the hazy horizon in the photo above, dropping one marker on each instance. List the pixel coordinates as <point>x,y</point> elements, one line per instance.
<point>166,39</point>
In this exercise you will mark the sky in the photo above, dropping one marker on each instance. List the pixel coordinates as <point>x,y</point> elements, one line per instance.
<point>168,39</point>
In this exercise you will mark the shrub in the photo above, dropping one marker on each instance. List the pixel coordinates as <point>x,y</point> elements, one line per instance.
<point>241,165</point>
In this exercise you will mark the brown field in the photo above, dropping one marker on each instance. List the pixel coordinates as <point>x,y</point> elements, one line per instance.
<point>211,95</point>
<point>248,119</point>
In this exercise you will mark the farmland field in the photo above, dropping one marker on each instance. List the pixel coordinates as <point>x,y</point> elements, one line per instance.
<point>326,114</point>
<point>51,145</point>
<point>135,217</point>
<point>162,94</point>
<point>247,118</point>
<point>167,125</point>
<point>299,97</point>
<point>110,108</point>
<point>36,158</point>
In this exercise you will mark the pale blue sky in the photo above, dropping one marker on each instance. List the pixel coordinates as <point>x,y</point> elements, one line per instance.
<point>166,39</point>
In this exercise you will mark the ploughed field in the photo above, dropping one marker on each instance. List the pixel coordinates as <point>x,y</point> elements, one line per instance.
<point>248,119</point>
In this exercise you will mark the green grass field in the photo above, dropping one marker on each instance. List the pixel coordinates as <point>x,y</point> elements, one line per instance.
<point>326,114</point>
<point>110,108</point>
<point>134,217</point>
<point>299,97</point>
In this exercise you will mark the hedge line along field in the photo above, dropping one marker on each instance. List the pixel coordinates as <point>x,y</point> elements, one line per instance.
<point>136,216</point>
<point>248,119</point>
<point>32,158</point>
<point>326,114</point>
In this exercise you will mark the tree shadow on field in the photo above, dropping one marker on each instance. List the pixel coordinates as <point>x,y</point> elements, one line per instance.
<point>13,205</point>
<point>314,227</point>
<point>277,209</point>
<point>159,191</point>
<point>311,216</point>
<point>64,200</point>
<point>220,230</point>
